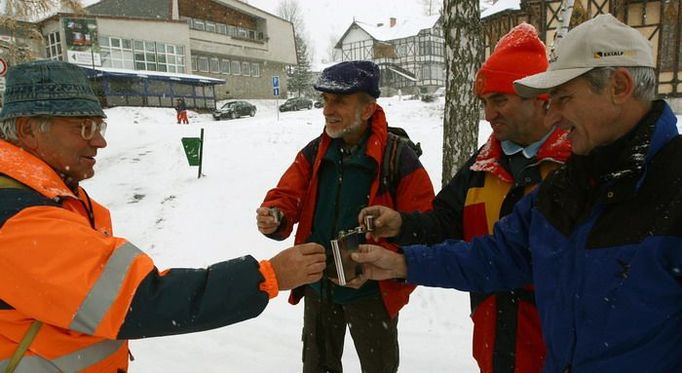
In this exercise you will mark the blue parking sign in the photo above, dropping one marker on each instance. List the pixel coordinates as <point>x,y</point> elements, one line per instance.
<point>275,82</point>
<point>275,91</point>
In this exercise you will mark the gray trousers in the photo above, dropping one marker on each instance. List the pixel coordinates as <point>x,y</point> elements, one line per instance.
<point>374,334</point>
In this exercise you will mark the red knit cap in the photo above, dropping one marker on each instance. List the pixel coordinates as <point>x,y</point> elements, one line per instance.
<point>518,54</point>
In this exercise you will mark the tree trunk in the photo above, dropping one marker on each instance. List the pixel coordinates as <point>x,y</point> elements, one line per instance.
<point>463,58</point>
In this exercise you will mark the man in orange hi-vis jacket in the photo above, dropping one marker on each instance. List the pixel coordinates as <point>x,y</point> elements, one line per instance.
<point>72,293</point>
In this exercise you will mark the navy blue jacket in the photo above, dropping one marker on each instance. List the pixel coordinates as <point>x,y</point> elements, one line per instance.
<point>601,239</point>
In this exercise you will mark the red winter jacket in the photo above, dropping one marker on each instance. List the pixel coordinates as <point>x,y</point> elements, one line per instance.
<point>296,194</point>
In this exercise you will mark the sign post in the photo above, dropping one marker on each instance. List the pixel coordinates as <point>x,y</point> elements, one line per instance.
<point>275,92</point>
<point>194,150</point>
<point>3,67</point>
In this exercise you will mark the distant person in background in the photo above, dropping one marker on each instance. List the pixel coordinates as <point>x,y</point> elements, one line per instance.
<point>72,293</point>
<point>330,180</point>
<point>520,152</point>
<point>181,111</point>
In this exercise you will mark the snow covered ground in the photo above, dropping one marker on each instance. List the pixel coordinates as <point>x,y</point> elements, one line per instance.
<point>158,203</point>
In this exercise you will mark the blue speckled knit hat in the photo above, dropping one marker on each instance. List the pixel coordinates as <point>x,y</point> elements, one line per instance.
<point>53,88</point>
<point>350,77</point>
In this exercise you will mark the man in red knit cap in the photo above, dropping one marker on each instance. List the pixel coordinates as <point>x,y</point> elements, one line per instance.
<point>517,156</point>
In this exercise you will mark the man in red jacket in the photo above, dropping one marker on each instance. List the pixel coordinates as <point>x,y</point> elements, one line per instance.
<point>330,180</point>
<point>517,156</point>
<point>72,293</point>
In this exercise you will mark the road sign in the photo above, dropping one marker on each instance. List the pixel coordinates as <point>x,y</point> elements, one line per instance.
<point>275,92</point>
<point>192,147</point>
<point>275,82</point>
<point>3,67</point>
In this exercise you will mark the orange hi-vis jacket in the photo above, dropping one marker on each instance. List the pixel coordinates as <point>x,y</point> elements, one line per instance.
<point>92,291</point>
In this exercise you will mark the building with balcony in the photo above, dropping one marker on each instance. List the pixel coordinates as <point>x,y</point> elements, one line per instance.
<point>409,52</point>
<point>223,39</point>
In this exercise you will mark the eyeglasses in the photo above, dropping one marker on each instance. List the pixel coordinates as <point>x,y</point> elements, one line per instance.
<point>90,126</point>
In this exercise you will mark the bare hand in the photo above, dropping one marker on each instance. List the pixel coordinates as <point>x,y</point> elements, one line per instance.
<point>387,222</point>
<point>266,222</point>
<point>355,283</point>
<point>379,263</point>
<point>299,265</point>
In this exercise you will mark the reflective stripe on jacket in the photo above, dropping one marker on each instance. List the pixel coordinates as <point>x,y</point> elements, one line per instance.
<point>92,291</point>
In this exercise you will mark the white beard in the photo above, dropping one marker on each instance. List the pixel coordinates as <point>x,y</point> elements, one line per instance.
<point>354,127</point>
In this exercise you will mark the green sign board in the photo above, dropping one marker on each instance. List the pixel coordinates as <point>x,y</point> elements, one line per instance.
<point>194,150</point>
<point>192,147</point>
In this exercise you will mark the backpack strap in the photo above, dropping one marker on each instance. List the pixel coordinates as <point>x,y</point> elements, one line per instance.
<point>23,346</point>
<point>390,165</point>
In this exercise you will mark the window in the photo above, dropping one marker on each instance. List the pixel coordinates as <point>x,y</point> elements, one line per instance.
<point>195,67</point>
<point>224,29</point>
<point>170,57</point>
<point>203,64</point>
<point>255,69</point>
<point>225,66</point>
<point>246,68</point>
<point>236,68</point>
<point>215,65</point>
<point>53,50</point>
<point>116,52</point>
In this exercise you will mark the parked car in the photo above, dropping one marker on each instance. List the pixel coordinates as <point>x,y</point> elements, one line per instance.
<point>234,109</point>
<point>296,103</point>
<point>318,104</point>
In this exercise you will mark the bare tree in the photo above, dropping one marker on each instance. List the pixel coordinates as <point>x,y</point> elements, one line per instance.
<point>291,11</point>
<point>299,76</point>
<point>331,48</point>
<point>463,57</point>
<point>431,7</point>
<point>14,15</point>
<point>25,9</point>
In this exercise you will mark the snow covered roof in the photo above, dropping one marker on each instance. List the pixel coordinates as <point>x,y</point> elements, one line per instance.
<point>161,75</point>
<point>403,28</point>
<point>501,6</point>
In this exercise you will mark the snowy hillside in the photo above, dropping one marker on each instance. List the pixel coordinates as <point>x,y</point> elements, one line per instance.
<point>158,203</point>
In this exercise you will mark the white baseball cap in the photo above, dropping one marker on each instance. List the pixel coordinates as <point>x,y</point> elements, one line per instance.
<point>601,41</point>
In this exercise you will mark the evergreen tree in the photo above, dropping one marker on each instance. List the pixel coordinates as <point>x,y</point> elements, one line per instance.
<point>463,57</point>
<point>299,76</point>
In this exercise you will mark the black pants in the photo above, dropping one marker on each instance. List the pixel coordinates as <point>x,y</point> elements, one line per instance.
<point>374,334</point>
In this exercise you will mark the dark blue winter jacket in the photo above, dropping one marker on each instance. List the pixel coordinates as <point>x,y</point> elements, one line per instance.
<point>601,239</point>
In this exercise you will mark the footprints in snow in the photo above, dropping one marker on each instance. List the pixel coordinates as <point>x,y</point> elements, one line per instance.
<point>137,157</point>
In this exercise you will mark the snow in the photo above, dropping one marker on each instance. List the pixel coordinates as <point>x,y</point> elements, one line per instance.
<point>500,6</point>
<point>158,203</point>
<point>403,28</point>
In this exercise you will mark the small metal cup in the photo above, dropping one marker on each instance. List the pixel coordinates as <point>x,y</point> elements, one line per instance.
<point>369,223</point>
